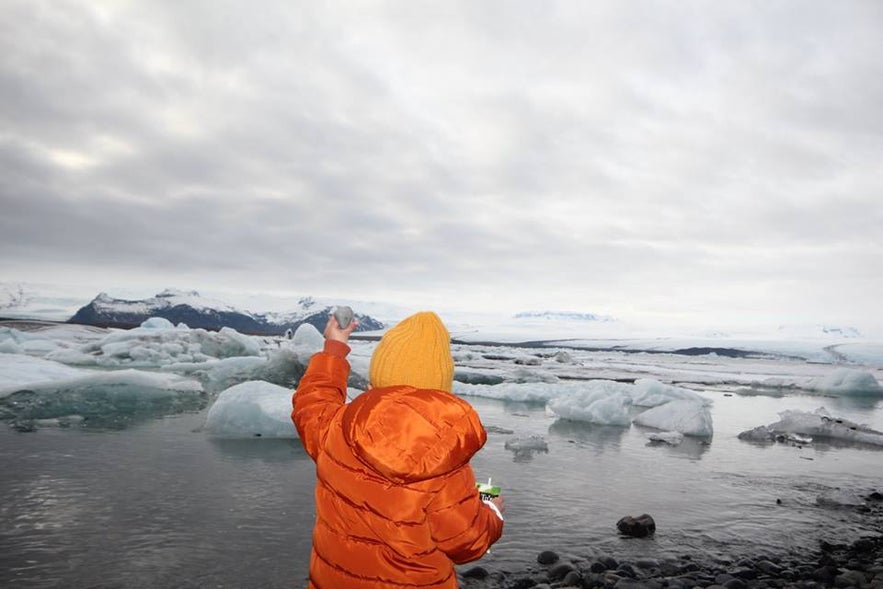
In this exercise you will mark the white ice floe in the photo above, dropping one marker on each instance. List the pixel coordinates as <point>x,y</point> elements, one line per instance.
<point>18,371</point>
<point>252,409</point>
<point>690,418</point>
<point>522,444</point>
<point>652,393</point>
<point>815,425</point>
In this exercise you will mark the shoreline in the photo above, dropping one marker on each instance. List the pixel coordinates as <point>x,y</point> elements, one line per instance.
<point>857,564</point>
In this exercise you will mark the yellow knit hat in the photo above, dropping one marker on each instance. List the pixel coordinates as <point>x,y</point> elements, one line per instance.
<point>416,352</point>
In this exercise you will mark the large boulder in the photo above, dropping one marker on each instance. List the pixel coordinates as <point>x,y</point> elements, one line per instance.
<point>637,527</point>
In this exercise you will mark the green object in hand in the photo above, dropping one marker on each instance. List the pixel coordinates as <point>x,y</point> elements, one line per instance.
<point>488,491</point>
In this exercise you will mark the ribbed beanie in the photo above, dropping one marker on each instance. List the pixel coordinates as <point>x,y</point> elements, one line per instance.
<point>416,352</point>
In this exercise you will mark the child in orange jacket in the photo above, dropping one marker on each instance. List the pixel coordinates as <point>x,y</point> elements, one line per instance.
<point>396,502</point>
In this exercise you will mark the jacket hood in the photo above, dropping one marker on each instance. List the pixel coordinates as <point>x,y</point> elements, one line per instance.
<point>409,435</point>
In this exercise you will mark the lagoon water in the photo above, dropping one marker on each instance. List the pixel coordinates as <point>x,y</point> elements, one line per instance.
<point>159,503</point>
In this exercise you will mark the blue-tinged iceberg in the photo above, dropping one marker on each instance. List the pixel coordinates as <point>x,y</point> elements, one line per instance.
<point>254,409</point>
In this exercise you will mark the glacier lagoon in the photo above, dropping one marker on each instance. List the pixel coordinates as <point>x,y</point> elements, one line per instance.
<point>169,465</point>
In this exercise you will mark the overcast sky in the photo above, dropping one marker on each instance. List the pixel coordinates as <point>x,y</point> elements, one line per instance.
<point>714,163</point>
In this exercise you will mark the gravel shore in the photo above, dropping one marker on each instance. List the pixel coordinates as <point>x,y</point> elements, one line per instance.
<point>858,565</point>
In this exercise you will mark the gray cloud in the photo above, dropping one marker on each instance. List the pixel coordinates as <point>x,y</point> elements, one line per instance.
<point>700,163</point>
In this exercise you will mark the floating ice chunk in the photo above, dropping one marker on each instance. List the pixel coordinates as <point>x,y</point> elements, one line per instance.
<point>510,391</point>
<point>524,448</point>
<point>601,402</point>
<point>847,381</point>
<point>819,424</point>
<point>532,442</point>
<point>670,438</point>
<point>690,418</point>
<point>252,409</point>
<point>652,393</point>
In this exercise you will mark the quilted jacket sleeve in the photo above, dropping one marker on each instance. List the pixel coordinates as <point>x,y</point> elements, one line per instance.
<point>462,526</point>
<point>320,393</point>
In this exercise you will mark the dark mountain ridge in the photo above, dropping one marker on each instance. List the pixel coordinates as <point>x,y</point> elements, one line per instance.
<point>197,312</point>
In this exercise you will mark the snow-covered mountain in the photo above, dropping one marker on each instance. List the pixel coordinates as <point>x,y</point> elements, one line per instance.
<point>197,311</point>
<point>561,316</point>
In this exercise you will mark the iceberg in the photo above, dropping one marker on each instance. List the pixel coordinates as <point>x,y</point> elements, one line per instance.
<point>690,418</point>
<point>156,344</point>
<point>253,409</point>
<point>847,381</point>
<point>282,367</point>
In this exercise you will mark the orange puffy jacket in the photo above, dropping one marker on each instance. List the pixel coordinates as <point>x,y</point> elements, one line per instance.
<point>396,503</point>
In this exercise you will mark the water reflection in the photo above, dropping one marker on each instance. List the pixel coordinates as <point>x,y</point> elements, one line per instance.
<point>690,447</point>
<point>855,403</point>
<point>257,449</point>
<point>593,435</point>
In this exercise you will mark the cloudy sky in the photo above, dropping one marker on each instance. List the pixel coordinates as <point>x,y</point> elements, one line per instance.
<point>706,162</point>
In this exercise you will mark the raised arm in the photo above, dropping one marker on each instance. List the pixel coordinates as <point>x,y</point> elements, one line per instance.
<point>322,389</point>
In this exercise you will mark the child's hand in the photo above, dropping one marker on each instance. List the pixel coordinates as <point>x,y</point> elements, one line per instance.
<point>333,330</point>
<point>498,501</point>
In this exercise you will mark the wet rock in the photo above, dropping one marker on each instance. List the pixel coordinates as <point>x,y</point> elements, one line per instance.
<point>744,573</point>
<point>547,557</point>
<point>850,579</point>
<point>572,579</point>
<point>769,568</point>
<point>626,570</point>
<point>628,583</point>
<point>523,583</point>
<point>608,561</point>
<point>637,527</point>
<point>559,571</point>
<point>476,572</point>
